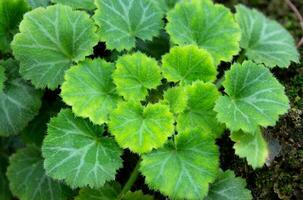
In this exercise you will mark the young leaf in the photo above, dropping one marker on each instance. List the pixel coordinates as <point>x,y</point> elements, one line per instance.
<point>141,128</point>
<point>188,64</point>
<point>208,25</point>
<point>38,3</point>
<point>78,4</point>
<point>109,191</point>
<point>75,151</point>
<point>28,179</point>
<point>51,39</point>
<point>264,40</point>
<point>254,97</point>
<point>252,147</point>
<point>2,78</point>
<point>199,112</point>
<point>90,90</point>
<point>122,22</point>
<point>228,187</point>
<point>135,74</point>
<point>11,13</point>
<point>183,169</point>
<point>19,101</point>
<point>176,98</point>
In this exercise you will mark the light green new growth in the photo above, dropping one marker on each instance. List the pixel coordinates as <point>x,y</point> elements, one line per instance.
<point>182,169</point>
<point>135,74</point>
<point>176,98</point>
<point>121,22</point>
<point>199,112</point>
<point>141,128</point>
<point>188,64</point>
<point>208,25</point>
<point>75,151</point>
<point>2,78</point>
<point>90,90</point>
<point>254,98</point>
<point>11,13</point>
<point>264,40</point>
<point>252,147</point>
<point>228,187</point>
<point>28,180</point>
<point>78,4</point>
<point>19,102</point>
<point>51,40</point>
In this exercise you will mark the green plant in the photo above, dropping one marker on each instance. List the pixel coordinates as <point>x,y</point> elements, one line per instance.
<point>166,107</point>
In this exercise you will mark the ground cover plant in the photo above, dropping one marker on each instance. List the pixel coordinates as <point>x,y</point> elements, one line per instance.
<point>96,94</point>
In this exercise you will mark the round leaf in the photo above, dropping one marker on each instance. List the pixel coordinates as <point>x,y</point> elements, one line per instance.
<point>199,112</point>
<point>122,22</point>
<point>252,147</point>
<point>19,101</point>
<point>90,90</point>
<point>28,179</point>
<point>78,4</point>
<point>11,13</point>
<point>141,128</point>
<point>75,151</point>
<point>184,169</point>
<point>50,40</point>
<point>176,98</point>
<point>254,98</point>
<point>208,25</point>
<point>188,64</point>
<point>264,40</point>
<point>109,191</point>
<point>135,74</point>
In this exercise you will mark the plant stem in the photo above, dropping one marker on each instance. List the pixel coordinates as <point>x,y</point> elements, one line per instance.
<point>241,57</point>
<point>219,82</point>
<point>132,179</point>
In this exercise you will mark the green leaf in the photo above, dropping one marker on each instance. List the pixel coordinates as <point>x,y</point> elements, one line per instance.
<point>2,78</point>
<point>252,147</point>
<point>254,98</point>
<point>176,98</point>
<point>264,40</point>
<point>141,128</point>
<point>109,191</point>
<point>183,169</point>
<point>135,74</point>
<point>199,112</point>
<point>5,193</point>
<point>38,3</point>
<point>208,25</point>
<point>51,40</point>
<point>188,64</point>
<point>28,179</point>
<point>78,4</point>
<point>122,22</point>
<point>90,90</point>
<point>75,151</point>
<point>11,13</point>
<point>137,195</point>
<point>19,101</point>
<point>229,187</point>
<point>165,5</point>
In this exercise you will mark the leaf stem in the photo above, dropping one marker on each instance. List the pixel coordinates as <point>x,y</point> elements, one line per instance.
<point>130,182</point>
<point>241,57</point>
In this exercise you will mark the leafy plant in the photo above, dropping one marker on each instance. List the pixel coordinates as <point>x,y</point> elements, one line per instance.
<point>134,102</point>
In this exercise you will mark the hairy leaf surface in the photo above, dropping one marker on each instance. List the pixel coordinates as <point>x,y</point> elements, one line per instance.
<point>11,12</point>
<point>264,40</point>
<point>75,151</point>
<point>28,180</point>
<point>135,74</point>
<point>199,112</point>
<point>254,97</point>
<point>122,22</point>
<point>176,98</point>
<point>90,90</point>
<point>183,169</point>
<point>188,64</point>
<point>141,128</point>
<point>228,187</point>
<point>208,25</point>
<point>252,147</point>
<point>19,101</point>
<point>51,40</point>
<point>77,4</point>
